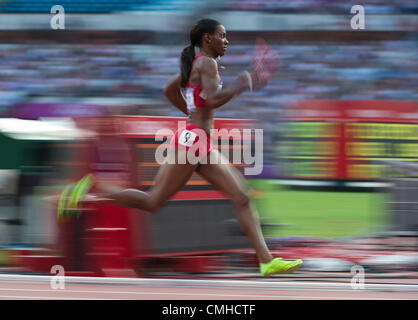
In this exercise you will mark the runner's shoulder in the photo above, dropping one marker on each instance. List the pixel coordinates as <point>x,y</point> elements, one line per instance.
<point>206,63</point>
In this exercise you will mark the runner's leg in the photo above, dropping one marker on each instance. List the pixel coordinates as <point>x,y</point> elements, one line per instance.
<point>229,180</point>
<point>170,178</point>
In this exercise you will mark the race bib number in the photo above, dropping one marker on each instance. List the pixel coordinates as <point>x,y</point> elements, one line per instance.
<point>190,101</point>
<point>187,138</point>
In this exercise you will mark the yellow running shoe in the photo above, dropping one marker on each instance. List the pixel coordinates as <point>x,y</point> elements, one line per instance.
<point>63,203</point>
<point>80,190</point>
<point>68,203</point>
<point>280,266</point>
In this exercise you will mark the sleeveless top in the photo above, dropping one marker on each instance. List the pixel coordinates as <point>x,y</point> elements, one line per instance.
<point>195,96</point>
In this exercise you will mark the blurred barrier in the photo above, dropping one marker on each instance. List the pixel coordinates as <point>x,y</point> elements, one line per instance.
<point>404,198</point>
<point>346,140</point>
<point>99,243</point>
<point>27,148</point>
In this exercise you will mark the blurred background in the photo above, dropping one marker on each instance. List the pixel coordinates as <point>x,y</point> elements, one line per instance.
<point>340,121</point>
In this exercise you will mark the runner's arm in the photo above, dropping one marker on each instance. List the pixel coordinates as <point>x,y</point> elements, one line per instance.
<point>173,93</point>
<point>208,69</point>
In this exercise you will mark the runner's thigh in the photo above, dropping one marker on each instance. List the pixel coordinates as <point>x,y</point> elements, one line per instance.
<point>171,177</point>
<point>223,175</point>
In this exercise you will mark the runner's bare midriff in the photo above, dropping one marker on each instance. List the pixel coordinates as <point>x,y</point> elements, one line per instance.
<point>203,118</point>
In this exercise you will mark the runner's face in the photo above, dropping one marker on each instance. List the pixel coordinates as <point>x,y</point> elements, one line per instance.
<point>219,42</point>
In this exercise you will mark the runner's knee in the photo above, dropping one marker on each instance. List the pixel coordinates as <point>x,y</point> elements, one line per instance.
<point>155,205</point>
<point>242,199</point>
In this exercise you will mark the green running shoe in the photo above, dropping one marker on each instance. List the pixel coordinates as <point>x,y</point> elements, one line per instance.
<point>280,266</point>
<point>62,211</point>
<point>68,203</point>
<point>81,188</point>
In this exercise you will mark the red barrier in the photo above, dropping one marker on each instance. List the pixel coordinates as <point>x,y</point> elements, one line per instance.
<point>101,240</point>
<point>109,245</point>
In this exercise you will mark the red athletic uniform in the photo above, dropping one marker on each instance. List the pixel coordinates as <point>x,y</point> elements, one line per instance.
<point>192,135</point>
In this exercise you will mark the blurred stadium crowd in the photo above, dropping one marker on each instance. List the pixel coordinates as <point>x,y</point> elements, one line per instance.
<point>371,71</point>
<point>342,70</point>
<point>117,56</point>
<point>316,6</point>
<point>295,6</point>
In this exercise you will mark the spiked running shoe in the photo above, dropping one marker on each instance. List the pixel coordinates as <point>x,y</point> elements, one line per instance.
<point>280,266</point>
<point>62,211</point>
<point>80,190</point>
<point>71,196</point>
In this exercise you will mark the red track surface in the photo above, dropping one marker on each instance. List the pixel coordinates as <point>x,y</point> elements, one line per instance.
<point>299,287</point>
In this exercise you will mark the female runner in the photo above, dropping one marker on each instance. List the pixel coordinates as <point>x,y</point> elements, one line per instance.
<point>204,94</point>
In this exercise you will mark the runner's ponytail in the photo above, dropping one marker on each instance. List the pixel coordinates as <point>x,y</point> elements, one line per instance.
<point>188,54</point>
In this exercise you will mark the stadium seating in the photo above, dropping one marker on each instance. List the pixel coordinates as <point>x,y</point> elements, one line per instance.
<point>282,6</point>
<point>92,6</point>
<point>368,72</point>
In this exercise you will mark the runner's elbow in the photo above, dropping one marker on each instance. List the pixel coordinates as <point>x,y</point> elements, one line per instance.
<point>166,90</point>
<point>211,103</point>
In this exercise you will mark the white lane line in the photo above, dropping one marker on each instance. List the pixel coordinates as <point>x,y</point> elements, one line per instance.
<point>277,298</point>
<point>191,294</point>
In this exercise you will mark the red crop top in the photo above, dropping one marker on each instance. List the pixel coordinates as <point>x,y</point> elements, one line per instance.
<point>195,96</point>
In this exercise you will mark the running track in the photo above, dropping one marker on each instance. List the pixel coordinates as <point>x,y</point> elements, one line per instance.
<point>300,286</point>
